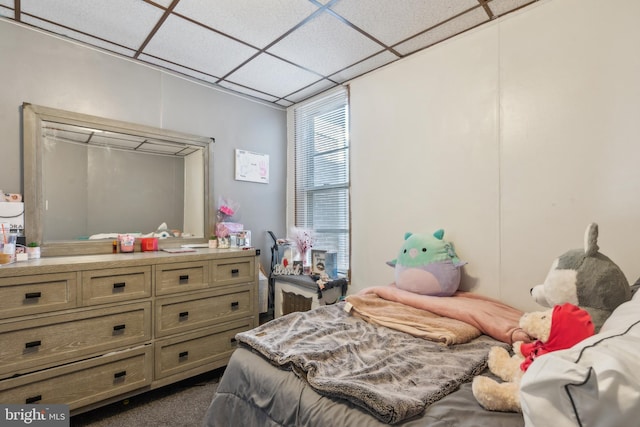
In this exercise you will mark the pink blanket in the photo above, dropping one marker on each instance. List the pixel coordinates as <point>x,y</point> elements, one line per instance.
<point>490,316</point>
<point>414,321</point>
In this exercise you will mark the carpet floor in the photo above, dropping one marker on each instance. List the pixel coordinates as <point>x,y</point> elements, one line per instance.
<point>182,404</point>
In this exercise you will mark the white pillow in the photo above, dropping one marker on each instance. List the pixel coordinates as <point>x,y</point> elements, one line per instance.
<point>624,315</point>
<point>596,382</point>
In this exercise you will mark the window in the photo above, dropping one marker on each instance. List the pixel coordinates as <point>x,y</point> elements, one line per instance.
<point>321,162</point>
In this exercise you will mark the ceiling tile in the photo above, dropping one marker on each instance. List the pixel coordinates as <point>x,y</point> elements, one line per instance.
<point>165,3</point>
<point>500,7</point>
<point>392,21</point>
<point>178,68</point>
<point>284,103</point>
<point>186,43</point>
<point>315,88</point>
<point>152,146</point>
<point>74,35</point>
<point>367,65</point>
<point>444,31</point>
<point>273,76</point>
<point>325,45</point>
<point>247,91</point>
<point>122,22</point>
<point>256,22</point>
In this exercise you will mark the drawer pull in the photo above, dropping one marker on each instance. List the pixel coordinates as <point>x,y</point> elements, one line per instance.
<point>184,278</point>
<point>119,285</point>
<point>30,295</point>
<point>183,354</point>
<point>234,305</point>
<point>183,314</point>
<point>234,272</point>
<point>119,375</point>
<point>33,399</point>
<point>119,327</point>
<point>32,344</point>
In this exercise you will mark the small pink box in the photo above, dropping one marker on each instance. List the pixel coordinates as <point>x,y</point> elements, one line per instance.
<point>149,244</point>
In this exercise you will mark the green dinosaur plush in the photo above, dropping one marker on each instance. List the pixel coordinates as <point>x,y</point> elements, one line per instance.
<point>427,265</point>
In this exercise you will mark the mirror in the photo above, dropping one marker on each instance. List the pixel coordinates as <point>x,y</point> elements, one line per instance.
<point>88,179</point>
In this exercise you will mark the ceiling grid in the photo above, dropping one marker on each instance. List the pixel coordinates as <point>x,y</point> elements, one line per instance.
<point>278,51</point>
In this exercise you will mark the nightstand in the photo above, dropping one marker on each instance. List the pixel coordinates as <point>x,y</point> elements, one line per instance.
<point>301,293</point>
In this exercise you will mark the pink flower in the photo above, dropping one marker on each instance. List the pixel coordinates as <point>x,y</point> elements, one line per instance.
<point>304,239</point>
<point>226,210</point>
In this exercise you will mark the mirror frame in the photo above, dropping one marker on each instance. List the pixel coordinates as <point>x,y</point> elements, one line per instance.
<point>33,197</point>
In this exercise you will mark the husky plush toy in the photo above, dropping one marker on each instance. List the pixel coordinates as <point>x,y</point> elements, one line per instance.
<point>586,278</point>
<point>427,265</point>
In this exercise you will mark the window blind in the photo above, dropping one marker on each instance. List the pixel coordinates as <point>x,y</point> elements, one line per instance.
<point>322,172</point>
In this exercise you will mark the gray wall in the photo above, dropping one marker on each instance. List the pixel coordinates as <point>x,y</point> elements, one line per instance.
<point>53,72</point>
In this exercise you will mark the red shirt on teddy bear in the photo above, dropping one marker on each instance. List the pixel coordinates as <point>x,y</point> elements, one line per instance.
<point>569,325</point>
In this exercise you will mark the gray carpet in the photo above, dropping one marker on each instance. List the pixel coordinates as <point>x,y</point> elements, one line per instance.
<point>178,405</point>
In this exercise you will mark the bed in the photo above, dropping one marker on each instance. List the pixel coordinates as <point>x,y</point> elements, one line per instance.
<point>349,364</point>
<point>386,360</point>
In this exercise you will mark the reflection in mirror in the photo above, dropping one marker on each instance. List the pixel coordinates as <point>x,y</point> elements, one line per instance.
<point>88,179</point>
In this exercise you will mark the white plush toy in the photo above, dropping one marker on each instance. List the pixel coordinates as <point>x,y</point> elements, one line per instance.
<point>555,329</point>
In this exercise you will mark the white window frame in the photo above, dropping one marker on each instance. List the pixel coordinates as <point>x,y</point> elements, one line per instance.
<point>291,177</point>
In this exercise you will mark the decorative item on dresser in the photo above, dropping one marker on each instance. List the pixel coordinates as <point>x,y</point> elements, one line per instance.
<point>89,330</point>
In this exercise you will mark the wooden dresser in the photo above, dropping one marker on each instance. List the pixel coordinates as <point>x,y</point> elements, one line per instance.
<point>89,330</point>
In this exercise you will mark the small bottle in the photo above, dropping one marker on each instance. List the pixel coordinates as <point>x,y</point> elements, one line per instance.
<point>115,247</point>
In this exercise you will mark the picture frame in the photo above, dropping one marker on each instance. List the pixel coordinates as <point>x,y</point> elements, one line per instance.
<point>318,261</point>
<point>244,238</point>
<point>251,166</point>
<point>240,239</point>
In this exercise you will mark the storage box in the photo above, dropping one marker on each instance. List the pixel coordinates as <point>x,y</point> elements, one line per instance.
<point>149,244</point>
<point>233,227</point>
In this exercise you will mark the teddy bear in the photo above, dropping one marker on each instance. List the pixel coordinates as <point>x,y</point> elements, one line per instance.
<point>586,278</point>
<point>427,265</point>
<point>558,328</point>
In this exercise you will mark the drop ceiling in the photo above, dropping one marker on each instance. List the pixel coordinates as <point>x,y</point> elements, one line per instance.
<point>278,51</point>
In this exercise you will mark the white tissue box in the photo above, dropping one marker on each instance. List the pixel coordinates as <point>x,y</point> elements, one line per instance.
<point>12,213</point>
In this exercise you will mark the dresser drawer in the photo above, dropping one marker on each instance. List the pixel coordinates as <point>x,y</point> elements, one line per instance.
<point>115,284</point>
<point>181,277</point>
<point>233,270</point>
<point>33,344</point>
<point>82,383</point>
<point>188,312</point>
<point>24,295</point>
<point>188,351</point>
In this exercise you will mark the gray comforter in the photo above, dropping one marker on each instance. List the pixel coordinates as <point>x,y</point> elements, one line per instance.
<point>389,373</point>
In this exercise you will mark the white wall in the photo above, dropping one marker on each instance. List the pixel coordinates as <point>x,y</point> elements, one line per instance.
<point>512,138</point>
